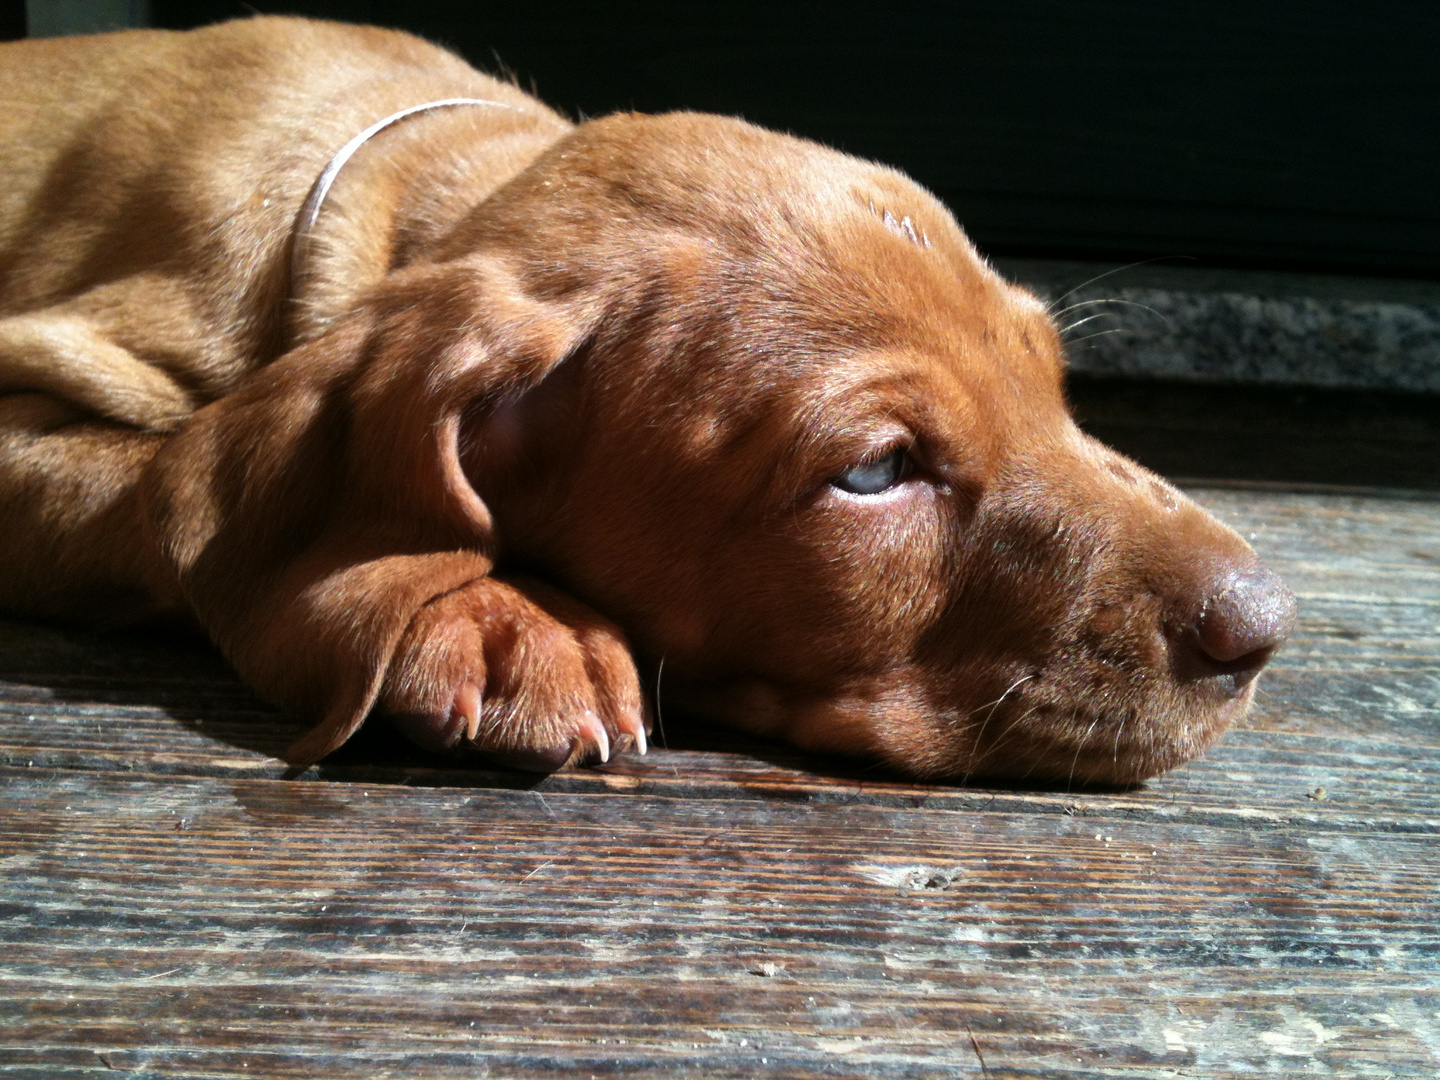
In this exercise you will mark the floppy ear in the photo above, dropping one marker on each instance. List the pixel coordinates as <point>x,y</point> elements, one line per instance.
<point>312,513</point>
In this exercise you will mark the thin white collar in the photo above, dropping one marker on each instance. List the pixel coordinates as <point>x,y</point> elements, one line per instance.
<point>310,211</point>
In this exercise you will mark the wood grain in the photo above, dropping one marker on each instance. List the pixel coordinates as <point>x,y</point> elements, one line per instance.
<point>171,904</point>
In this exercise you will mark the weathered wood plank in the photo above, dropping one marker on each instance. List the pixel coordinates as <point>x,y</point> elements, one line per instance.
<point>193,924</point>
<point>1365,661</point>
<point>1331,781</point>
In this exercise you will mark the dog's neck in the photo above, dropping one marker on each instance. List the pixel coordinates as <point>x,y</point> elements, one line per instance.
<point>368,216</point>
<point>301,238</point>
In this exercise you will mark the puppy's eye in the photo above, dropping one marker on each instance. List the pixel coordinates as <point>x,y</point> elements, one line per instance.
<point>874,477</point>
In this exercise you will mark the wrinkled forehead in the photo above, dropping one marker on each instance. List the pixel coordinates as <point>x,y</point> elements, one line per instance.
<point>710,212</point>
<point>869,294</point>
<point>873,276</point>
<point>878,261</point>
<point>750,275</point>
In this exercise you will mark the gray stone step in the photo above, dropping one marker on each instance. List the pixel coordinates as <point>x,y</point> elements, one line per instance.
<point>1162,320</point>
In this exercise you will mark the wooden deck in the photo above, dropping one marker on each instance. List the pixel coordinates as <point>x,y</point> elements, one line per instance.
<point>173,903</point>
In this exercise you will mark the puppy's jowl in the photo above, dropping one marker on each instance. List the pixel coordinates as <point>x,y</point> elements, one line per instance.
<point>452,423</point>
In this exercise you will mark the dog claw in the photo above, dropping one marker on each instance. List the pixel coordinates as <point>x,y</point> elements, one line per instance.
<point>589,732</point>
<point>467,708</point>
<point>592,729</point>
<point>631,724</point>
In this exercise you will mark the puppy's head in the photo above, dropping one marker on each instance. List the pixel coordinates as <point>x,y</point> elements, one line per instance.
<point>812,452</point>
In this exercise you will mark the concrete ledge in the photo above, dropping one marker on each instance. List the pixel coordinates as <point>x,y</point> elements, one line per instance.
<point>1173,322</point>
<point>58,18</point>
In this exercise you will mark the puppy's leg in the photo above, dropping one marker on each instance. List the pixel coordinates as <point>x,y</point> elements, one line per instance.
<point>519,671</point>
<point>326,536</point>
<point>459,660</point>
<point>75,541</point>
<point>65,356</point>
<point>80,418</point>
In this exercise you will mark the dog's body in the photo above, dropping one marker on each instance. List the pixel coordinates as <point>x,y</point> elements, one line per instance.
<point>757,402</point>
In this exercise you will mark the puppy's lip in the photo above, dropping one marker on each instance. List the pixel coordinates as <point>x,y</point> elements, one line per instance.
<point>1133,764</point>
<point>1146,748</point>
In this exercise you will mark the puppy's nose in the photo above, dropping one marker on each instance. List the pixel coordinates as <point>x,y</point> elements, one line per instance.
<point>1247,614</point>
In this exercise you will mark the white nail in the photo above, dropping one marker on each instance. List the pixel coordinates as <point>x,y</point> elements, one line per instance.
<point>600,735</point>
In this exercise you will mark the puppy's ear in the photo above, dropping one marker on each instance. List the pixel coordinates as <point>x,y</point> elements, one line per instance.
<point>459,353</point>
<point>312,513</point>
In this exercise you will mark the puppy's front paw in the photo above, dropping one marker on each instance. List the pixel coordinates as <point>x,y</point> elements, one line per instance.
<point>518,671</point>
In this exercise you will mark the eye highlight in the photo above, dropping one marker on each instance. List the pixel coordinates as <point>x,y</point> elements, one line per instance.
<point>874,477</point>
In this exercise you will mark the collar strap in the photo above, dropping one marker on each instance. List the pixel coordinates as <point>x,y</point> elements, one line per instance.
<point>310,211</point>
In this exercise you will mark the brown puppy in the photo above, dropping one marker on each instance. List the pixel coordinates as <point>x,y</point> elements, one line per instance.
<point>758,403</point>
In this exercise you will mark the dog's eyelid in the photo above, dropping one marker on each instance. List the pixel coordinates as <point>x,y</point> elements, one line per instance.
<point>876,473</point>
<point>884,450</point>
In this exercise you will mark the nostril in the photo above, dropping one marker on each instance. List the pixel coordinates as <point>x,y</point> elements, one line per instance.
<point>1243,669</point>
<point>1245,615</point>
<point>1246,618</point>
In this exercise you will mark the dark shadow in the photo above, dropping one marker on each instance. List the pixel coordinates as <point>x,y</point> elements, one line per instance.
<point>184,677</point>
<point>12,22</point>
<point>693,734</point>
<point>176,672</point>
<point>1275,434</point>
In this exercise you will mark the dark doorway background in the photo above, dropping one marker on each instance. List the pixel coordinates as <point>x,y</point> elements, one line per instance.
<point>12,21</point>
<point>1244,132</point>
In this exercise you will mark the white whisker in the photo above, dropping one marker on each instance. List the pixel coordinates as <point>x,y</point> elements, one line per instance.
<point>1100,333</point>
<point>1066,330</point>
<point>1113,300</point>
<point>659,717</point>
<point>1081,304</point>
<point>1109,273</point>
<point>998,743</point>
<point>1079,747</point>
<point>1119,730</point>
<point>996,704</point>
